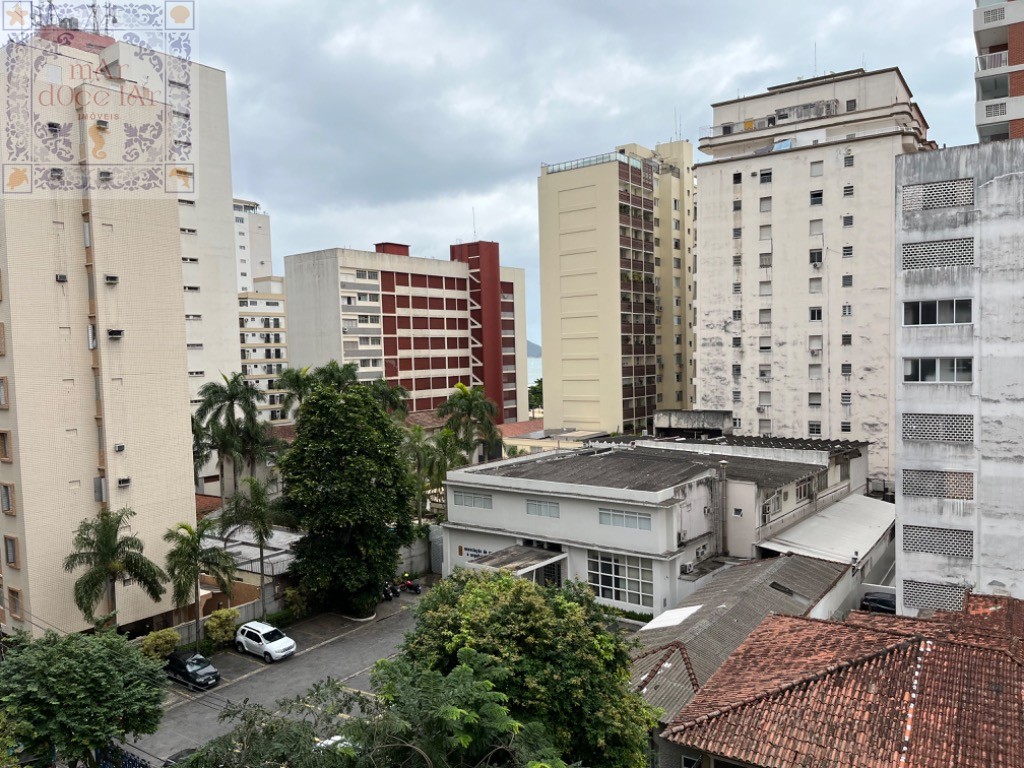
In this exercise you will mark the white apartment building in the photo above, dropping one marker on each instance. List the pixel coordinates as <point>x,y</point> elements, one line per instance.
<point>616,259</point>
<point>252,244</point>
<point>107,214</point>
<point>999,70</point>
<point>263,336</point>
<point>640,522</point>
<point>959,283</point>
<point>796,257</point>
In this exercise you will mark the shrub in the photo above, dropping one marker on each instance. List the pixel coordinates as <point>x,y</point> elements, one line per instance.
<point>220,627</point>
<point>281,618</point>
<point>160,644</point>
<point>296,601</point>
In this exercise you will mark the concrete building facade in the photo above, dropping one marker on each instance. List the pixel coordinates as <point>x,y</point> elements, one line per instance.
<point>99,227</point>
<point>796,257</point>
<point>424,324</point>
<point>252,244</point>
<point>999,69</point>
<point>616,259</point>
<point>959,282</point>
<point>263,336</point>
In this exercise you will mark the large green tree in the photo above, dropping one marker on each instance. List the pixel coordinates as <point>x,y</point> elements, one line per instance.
<point>227,406</point>
<point>336,376</point>
<point>202,449</point>
<point>567,668</point>
<point>75,694</point>
<point>473,417</point>
<point>392,398</point>
<point>189,557</point>
<point>252,510</point>
<point>296,383</point>
<point>536,394</point>
<point>346,480</point>
<point>108,553</point>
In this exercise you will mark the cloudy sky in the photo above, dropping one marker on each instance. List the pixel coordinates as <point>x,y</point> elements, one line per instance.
<point>357,121</point>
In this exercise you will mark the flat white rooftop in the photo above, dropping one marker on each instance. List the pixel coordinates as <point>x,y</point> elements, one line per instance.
<point>853,524</point>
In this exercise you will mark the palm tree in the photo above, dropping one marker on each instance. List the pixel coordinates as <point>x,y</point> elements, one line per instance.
<point>255,444</point>
<point>417,450</point>
<point>201,449</point>
<point>339,377</point>
<point>229,405</point>
<point>296,382</point>
<point>471,416</point>
<point>189,557</point>
<point>446,453</point>
<point>393,399</point>
<point>255,513</point>
<point>108,556</point>
<point>227,443</point>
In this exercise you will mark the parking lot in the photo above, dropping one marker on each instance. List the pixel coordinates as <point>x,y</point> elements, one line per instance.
<point>328,646</point>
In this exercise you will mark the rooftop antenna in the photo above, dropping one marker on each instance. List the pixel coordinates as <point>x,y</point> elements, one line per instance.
<point>109,17</point>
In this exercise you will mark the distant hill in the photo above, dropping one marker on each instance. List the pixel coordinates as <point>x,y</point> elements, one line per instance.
<point>532,350</point>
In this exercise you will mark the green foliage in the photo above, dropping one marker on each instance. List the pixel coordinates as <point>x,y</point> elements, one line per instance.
<point>253,511</point>
<point>473,417</point>
<point>77,693</point>
<point>160,644</point>
<point>297,602</point>
<point>567,669</point>
<point>9,747</point>
<point>221,626</point>
<point>536,394</point>
<point>346,480</point>
<point>282,618</point>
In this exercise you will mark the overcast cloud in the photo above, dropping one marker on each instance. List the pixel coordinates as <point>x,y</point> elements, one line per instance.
<point>357,122</point>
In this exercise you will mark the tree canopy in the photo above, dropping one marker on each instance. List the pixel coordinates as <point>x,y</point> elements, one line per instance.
<point>567,668</point>
<point>536,394</point>
<point>75,694</point>
<point>348,484</point>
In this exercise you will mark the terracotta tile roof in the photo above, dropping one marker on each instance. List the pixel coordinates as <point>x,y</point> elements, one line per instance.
<point>426,419</point>
<point>284,432</point>
<point>520,428</point>
<point>205,504</point>
<point>994,613</point>
<point>807,693</point>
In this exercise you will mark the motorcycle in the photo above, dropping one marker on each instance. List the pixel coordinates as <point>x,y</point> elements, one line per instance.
<point>406,584</point>
<point>389,592</point>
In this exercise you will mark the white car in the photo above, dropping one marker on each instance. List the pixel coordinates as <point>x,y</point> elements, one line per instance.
<point>264,640</point>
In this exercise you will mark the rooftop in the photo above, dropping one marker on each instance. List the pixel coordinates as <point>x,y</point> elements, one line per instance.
<point>277,555</point>
<point>205,504</point>
<point>683,647</point>
<point>834,447</point>
<point>846,529</point>
<point>643,469</point>
<point>513,429</point>
<point>813,693</point>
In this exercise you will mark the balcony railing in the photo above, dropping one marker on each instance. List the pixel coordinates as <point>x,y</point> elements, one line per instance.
<point>992,61</point>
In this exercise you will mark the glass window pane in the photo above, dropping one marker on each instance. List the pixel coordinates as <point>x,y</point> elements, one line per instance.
<point>946,311</point>
<point>947,369</point>
<point>964,366</point>
<point>963,311</point>
<point>927,313</point>
<point>911,313</point>
<point>928,369</point>
<point>911,369</point>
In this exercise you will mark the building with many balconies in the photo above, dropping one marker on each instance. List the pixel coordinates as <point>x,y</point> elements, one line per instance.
<point>999,72</point>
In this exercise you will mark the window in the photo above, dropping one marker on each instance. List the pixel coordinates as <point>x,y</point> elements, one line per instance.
<point>846,369</point>
<point>737,423</point>
<point>845,398</point>
<point>737,314</point>
<point>851,105</point>
<point>11,552</point>
<point>803,488</point>
<point>736,371</point>
<point>817,197</point>
<point>737,259</point>
<point>542,508</point>
<point>14,603</point>
<point>737,178</point>
<point>766,232</point>
<point>815,255</point>
<point>942,312</point>
<point>7,499</point>
<point>478,500</point>
<point>814,285</point>
<point>737,512</point>
<point>764,316</point>
<point>847,310</point>
<point>848,190</point>
<point>848,221</point>
<point>764,343</point>
<point>736,341</point>
<point>946,370</point>
<point>817,168</point>
<point>845,426</point>
<point>764,399</point>
<point>847,251</point>
<point>764,372</point>
<point>847,339</point>
<point>764,288</point>
<point>814,428</point>
<point>238,219</point>
<point>5,446</point>
<point>620,519</point>
<point>766,205</point>
<point>737,233</point>
<point>187,230</point>
<point>736,396</point>
<point>737,205</point>
<point>814,399</point>
<point>765,259</point>
<point>621,578</point>
<point>677,263</point>
<point>847,281</point>
<point>848,161</point>
<point>814,371</point>
<point>766,175</point>
<point>816,227</point>
<point>815,314</point>
<point>737,288</point>
<point>815,342</point>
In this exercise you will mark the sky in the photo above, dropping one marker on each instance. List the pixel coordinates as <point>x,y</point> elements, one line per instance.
<point>355,122</point>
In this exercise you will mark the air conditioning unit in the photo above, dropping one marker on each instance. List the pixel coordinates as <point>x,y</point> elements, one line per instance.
<point>61,278</point>
<point>760,409</point>
<point>686,568</point>
<point>106,175</point>
<point>680,538</point>
<point>815,353</point>
<point>118,447</point>
<point>707,510</point>
<point>124,482</point>
<point>56,173</point>
<point>53,127</point>
<point>816,265</point>
<point>102,125</point>
<point>115,333</point>
<point>111,279</point>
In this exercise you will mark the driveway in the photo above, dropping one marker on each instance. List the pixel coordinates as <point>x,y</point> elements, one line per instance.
<point>329,646</point>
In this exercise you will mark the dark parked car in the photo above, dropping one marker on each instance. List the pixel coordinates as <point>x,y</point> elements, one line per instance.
<point>192,670</point>
<point>879,602</point>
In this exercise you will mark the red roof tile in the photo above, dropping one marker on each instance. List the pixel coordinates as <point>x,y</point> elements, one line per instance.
<point>205,504</point>
<point>426,419</point>
<point>520,428</point>
<point>815,694</point>
<point>284,432</point>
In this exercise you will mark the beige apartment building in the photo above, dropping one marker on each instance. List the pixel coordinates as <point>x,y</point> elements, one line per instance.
<point>117,273</point>
<point>796,258</point>
<point>252,244</point>
<point>617,237</point>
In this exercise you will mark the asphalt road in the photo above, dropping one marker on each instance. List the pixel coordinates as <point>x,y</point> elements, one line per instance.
<point>329,646</point>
